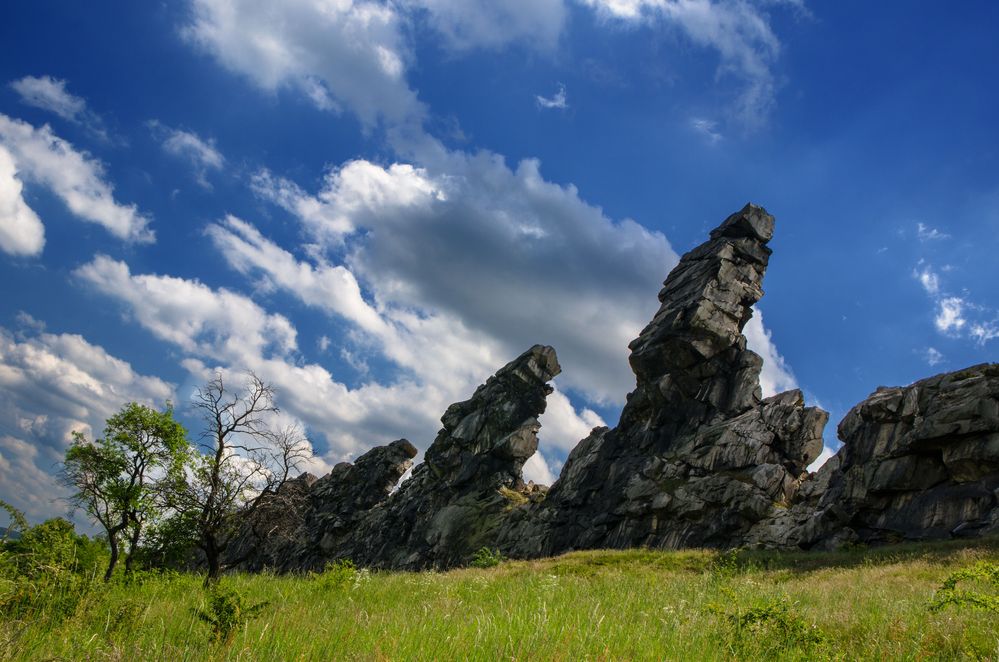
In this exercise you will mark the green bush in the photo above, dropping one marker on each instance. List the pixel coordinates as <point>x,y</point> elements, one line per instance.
<point>983,574</point>
<point>487,558</point>
<point>338,575</point>
<point>227,612</point>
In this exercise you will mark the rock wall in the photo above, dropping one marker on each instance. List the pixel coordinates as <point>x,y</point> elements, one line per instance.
<point>698,458</point>
<point>917,462</point>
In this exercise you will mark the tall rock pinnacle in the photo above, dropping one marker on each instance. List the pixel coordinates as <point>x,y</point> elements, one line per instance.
<point>698,457</point>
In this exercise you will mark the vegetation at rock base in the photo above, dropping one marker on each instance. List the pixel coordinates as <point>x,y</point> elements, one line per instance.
<point>596,605</point>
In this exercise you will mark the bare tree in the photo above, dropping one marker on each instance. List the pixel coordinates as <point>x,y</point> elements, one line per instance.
<point>244,462</point>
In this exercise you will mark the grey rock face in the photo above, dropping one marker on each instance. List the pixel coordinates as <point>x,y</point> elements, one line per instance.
<point>339,500</point>
<point>917,462</point>
<point>470,478</point>
<point>697,458</point>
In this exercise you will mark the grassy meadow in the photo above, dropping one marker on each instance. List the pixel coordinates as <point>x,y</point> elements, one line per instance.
<point>596,605</point>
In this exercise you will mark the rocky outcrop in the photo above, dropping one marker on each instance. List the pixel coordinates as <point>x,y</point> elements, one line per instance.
<point>698,457</point>
<point>457,498</point>
<point>341,499</point>
<point>917,462</point>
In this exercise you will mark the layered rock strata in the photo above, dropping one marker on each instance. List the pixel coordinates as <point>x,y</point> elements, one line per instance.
<point>456,499</point>
<point>698,458</point>
<point>918,462</point>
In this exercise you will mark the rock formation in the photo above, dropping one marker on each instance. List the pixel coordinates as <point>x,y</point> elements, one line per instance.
<point>698,459</point>
<point>918,462</point>
<point>470,476</point>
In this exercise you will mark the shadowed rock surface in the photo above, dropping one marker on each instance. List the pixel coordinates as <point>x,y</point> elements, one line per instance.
<point>470,477</point>
<point>917,462</point>
<point>698,457</point>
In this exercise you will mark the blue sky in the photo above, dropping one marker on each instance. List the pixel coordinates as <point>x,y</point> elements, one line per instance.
<point>374,205</point>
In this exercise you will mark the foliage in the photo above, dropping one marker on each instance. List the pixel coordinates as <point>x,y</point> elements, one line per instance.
<point>50,568</point>
<point>227,613</point>
<point>17,522</point>
<point>984,574</point>
<point>775,621</point>
<point>338,574</point>
<point>487,558</point>
<point>117,479</point>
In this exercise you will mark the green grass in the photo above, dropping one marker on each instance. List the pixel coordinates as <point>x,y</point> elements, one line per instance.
<point>598,605</point>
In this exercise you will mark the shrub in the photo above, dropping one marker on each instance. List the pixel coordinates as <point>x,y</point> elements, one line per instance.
<point>984,574</point>
<point>338,574</point>
<point>227,613</point>
<point>487,558</point>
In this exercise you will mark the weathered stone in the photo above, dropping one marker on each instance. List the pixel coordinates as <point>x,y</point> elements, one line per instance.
<point>698,457</point>
<point>917,462</point>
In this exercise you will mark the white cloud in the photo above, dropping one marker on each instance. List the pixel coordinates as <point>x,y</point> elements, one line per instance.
<point>562,427</point>
<point>199,152</point>
<point>926,233</point>
<point>982,332</point>
<point>191,315</point>
<point>776,376</point>
<point>739,31</point>
<point>348,53</point>
<point>50,94</point>
<point>536,469</point>
<point>468,24</point>
<point>823,457</point>
<point>78,180</point>
<point>557,100</point>
<point>933,356</point>
<point>51,385</point>
<point>950,315</point>
<point>21,231</point>
<point>928,279</point>
<point>707,128</point>
<point>518,260</point>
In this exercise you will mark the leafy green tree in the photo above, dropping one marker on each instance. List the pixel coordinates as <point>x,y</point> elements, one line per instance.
<point>117,478</point>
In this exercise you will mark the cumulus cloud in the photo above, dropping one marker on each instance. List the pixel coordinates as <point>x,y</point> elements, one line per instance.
<point>776,376</point>
<point>823,457</point>
<point>738,31</point>
<point>50,386</point>
<point>518,260</point>
<point>928,279</point>
<point>200,153</point>
<point>347,54</point>
<point>21,231</point>
<point>76,178</point>
<point>556,101</point>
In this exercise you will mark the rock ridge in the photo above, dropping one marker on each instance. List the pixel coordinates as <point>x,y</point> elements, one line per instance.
<point>698,458</point>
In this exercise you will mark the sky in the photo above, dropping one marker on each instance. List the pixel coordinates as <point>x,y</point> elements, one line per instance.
<point>374,205</point>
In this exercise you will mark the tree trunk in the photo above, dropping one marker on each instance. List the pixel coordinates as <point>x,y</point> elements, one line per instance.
<point>133,544</point>
<point>113,542</point>
<point>214,561</point>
